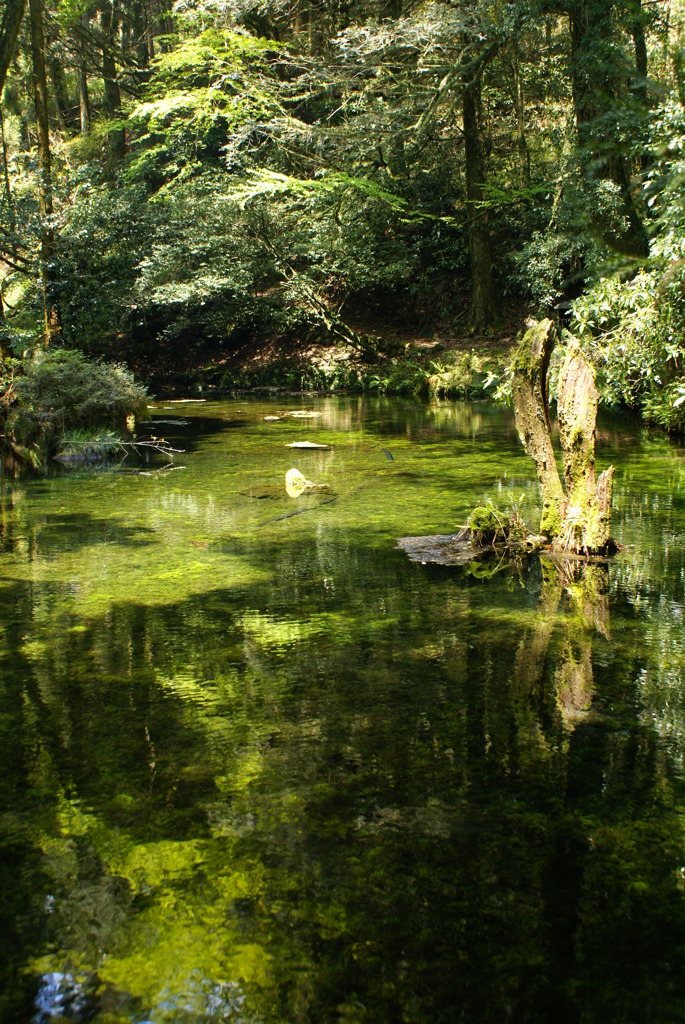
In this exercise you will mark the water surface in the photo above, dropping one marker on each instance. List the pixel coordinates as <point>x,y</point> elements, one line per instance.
<point>258,766</point>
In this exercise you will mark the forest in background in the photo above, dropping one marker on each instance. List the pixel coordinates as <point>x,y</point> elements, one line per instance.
<point>182,182</point>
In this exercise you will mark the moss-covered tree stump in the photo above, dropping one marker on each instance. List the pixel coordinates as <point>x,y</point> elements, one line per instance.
<point>576,514</point>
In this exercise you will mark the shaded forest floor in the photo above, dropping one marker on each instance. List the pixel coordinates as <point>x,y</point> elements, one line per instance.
<point>414,354</point>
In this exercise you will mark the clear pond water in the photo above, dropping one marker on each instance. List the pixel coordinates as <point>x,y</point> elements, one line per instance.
<point>258,766</point>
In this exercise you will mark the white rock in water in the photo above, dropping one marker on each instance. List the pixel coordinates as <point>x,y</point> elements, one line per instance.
<point>305,414</point>
<point>271,419</point>
<point>296,484</point>
<point>307,444</point>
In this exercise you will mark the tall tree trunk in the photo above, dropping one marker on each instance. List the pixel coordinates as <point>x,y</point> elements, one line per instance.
<point>548,46</point>
<point>59,89</point>
<point>112,98</point>
<point>140,33</point>
<point>165,27</point>
<point>9,30</point>
<point>519,109</point>
<point>483,301</point>
<point>6,174</point>
<point>675,51</point>
<point>640,89</point>
<point>83,97</point>
<point>44,170</point>
<point>596,86</point>
<point>640,45</point>
<point>5,346</point>
<point>83,100</point>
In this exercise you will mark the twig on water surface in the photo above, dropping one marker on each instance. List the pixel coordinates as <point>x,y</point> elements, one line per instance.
<point>93,448</point>
<point>299,511</point>
<point>157,444</point>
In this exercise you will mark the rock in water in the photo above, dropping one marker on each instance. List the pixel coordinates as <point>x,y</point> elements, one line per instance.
<point>296,484</point>
<point>308,444</point>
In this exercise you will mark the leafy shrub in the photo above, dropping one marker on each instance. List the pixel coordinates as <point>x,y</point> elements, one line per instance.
<point>634,329</point>
<point>547,263</point>
<point>60,390</point>
<point>105,236</point>
<point>667,408</point>
<point>399,378</point>
<point>634,333</point>
<point>554,259</point>
<point>617,323</point>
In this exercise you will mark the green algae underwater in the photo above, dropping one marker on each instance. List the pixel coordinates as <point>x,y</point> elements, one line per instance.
<point>258,766</point>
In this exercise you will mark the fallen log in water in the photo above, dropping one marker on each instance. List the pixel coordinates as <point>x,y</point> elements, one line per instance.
<point>465,547</point>
<point>440,549</point>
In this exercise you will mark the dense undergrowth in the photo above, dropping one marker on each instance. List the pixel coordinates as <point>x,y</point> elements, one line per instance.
<point>452,374</point>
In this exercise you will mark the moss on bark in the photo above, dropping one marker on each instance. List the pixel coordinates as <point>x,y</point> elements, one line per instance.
<point>577,516</point>
<point>529,391</point>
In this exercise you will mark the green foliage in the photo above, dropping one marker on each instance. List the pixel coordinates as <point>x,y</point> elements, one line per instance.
<point>104,238</point>
<point>266,184</point>
<point>60,390</point>
<point>301,374</point>
<point>550,261</point>
<point>461,376</point>
<point>633,327</point>
<point>209,89</point>
<point>399,378</point>
<point>618,322</point>
<point>268,181</point>
<point>174,268</point>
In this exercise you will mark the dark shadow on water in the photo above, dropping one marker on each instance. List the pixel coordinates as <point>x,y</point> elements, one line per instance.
<point>75,530</point>
<point>435,811</point>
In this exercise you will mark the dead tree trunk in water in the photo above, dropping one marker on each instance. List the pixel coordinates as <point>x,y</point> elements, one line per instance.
<point>587,523</point>
<point>529,392</point>
<point>577,517</point>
